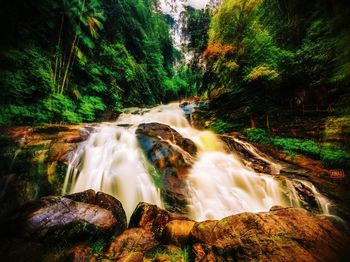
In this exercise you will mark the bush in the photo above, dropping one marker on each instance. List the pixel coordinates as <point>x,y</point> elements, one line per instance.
<point>332,157</point>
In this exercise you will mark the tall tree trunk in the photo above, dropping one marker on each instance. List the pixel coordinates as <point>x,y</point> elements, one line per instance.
<point>267,121</point>
<point>68,63</point>
<point>58,57</point>
<point>252,121</point>
<point>70,57</point>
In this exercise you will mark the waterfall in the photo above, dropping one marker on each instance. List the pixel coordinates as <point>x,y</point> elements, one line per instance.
<point>175,9</point>
<point>219,184</point>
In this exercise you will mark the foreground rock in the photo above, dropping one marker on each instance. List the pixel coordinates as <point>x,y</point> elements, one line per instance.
<point>131,245</point>
<point>152,218</point>
<point>172,155</point>
<point>33,162</point>
<point>56,219</point>
<point>284,234</point>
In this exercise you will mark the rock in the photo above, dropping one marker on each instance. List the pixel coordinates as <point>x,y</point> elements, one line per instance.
<point>57,219</point>
<point>104,201</point>
<point>249,159</point>
<point>110,203</point>
<point>80,253</point>
<point>87,196</point>
<point>161,132</point>
<point>165,254</point>
<point>172,155</point>
<point>177,232</point>
<point>59,151</point>
<point>152,218</point>
<point>284,234</point>
<point>131,245</point>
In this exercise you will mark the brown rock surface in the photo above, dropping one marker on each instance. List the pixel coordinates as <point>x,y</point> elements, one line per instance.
<point>131,245</point>
<point>56,219</point>
<point>104,201</point>
<point>285,234</point>
<point>177,232</point>
<point>152,218</point>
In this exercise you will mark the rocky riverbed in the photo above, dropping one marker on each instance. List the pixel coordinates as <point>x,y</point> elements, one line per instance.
<point>70,228</point>
<point>39,222</point>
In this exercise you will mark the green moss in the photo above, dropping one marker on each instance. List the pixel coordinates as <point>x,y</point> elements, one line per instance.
<point>99,246</point>
<point>175,255</point>
<point>329,154</point>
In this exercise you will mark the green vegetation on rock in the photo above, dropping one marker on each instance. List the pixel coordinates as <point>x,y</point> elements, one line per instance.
<point>330,155</point>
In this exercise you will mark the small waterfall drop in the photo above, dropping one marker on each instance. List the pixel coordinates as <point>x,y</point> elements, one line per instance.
<point>219,184</point>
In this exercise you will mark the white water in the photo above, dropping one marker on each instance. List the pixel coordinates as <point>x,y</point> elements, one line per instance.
<point>219,184</point>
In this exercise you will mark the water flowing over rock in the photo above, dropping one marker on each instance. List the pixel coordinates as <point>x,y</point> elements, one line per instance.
<point>155,156</point>
<point>172,155</point>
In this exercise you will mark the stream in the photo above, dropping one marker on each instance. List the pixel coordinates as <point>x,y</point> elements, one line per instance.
<point>219,183</point>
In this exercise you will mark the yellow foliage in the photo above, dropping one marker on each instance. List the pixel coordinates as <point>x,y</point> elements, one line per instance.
<point>262,72</point>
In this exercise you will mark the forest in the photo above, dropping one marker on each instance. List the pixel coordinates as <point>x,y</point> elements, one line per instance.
<point>175,130</point>
<point>69,61</point>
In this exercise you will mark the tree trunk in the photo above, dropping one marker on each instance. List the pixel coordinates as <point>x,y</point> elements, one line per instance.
<point>252,121</point>
<point>267,122</point>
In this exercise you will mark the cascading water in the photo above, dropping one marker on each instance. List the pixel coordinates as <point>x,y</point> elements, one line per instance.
<point>219,184</point>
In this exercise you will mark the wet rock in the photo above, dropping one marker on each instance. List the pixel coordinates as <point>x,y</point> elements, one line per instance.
<point>131,245</point>
<point>177,232</point>
<point>161,132</point>
<point>59,151</point>
<point>104,201</point>
<point>249,159</point>
<point>306,195</point>
<point>172,155</point>
<point>110,203</point>
<point>37,157</point>
<point>284,234</point>
<point>87,196</point>
<point>57,219</point>
<point>152,218</point>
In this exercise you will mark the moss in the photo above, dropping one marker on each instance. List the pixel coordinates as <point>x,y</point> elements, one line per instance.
<point>174,254</point>
<point>98,246</point>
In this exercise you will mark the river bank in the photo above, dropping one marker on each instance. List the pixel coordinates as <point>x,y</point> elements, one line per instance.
<point>154,155</point>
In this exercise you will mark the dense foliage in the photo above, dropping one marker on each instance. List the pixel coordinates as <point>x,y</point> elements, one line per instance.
<point>273,54</point>
<point>71,60</point>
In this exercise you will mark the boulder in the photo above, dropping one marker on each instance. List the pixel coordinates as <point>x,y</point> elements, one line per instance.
<point>172,155</point>
<point>57,219</point>
<point>104,201</point>
<point>161,132</point>
<point>131,245</point>
<point>248,158</point>
<point>152,218</point>
<point>115,206</point>
<point>177,232</point>
<point>283,234</point>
